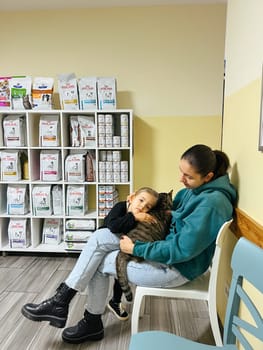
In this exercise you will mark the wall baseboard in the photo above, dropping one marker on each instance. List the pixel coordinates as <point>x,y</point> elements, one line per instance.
<point>244,226</point>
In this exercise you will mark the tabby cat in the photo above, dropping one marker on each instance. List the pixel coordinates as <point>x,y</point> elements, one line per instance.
<point>145,232</point>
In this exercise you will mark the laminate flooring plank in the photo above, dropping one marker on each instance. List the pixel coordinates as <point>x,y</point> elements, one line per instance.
<point>11,318</point>
<point>8,276</point>
<point>16,261</point>
<point>35,277</point>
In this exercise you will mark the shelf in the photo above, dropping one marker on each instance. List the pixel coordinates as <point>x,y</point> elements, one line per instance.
<point>109,134</point>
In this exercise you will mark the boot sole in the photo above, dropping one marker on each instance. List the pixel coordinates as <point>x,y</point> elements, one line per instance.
<point>53,321</point>
<point>94,337</point>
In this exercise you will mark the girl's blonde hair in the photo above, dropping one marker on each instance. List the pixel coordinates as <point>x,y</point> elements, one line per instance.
<point>148,190</point>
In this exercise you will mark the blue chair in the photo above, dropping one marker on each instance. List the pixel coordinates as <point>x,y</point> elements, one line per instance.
<point>246,263</point>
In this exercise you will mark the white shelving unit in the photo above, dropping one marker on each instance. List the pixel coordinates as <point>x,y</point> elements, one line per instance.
<point>32,148</point>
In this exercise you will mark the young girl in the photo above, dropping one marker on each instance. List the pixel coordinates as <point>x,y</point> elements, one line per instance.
<point>198,212</point>
<point>121,219</point>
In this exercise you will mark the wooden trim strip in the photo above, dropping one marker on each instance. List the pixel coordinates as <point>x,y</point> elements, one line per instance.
<point>244,225</point>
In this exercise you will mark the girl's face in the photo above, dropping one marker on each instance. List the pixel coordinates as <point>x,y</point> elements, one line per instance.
<point>189,177</point>
<point>141,202</point>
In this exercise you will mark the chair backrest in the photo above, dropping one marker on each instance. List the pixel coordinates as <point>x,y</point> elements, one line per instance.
<point>221,236</point>
<point>246,263</point>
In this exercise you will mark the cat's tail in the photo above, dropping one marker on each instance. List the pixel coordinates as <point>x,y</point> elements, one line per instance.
<point>121,269</point>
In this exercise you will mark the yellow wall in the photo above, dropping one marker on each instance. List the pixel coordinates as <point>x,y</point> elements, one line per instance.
<point>168,61</point>
<point>244,52</point>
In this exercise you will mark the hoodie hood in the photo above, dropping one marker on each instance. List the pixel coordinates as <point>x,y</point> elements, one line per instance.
<point>221,184</point>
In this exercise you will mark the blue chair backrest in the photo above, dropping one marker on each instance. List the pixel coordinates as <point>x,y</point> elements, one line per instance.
<point>247,264</point>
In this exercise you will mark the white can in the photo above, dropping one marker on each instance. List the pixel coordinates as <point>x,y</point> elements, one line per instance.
<point>124,130</point>
<point>117,166</point>
<point>116,141</point>
<point>102,176</point>
<point>109,156</point>
<point>102,141</point>
<point>102,130</point>
<point>124,119</point>
<point>108,141</point>
<point>109,166</point>
<point>101,118</point>
<point>102,166</point>
<point>109,188</point>
<point>103,156</point>
<point>109,176</point>
<point>124,141</point>
<point>124,165</point>
<point>124,176</point>
<point>116,176</point>
<point>108,119</point>
<point>116,156</point>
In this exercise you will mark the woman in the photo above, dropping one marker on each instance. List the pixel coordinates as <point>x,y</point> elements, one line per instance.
<point>198,212</point>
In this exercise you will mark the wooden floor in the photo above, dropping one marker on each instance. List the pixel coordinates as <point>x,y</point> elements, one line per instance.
<point>26,279</point>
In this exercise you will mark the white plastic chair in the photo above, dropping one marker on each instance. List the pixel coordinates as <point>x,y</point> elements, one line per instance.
<point>239,332</point>
<point>202,288</point>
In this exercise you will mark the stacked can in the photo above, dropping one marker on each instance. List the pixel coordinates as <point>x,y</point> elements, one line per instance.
<point>112,168</point>
<point>105,130</point>
<point>108,197</point>
<point>124,130</point>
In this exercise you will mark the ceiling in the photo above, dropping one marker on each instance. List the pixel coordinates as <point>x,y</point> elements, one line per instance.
<point>28,5</point>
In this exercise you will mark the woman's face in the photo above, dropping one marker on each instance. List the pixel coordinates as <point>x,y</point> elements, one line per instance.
<point>189,177</point>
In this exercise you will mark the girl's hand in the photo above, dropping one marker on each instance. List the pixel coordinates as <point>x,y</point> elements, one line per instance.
<point>126,245</point>
<point>139,216</point>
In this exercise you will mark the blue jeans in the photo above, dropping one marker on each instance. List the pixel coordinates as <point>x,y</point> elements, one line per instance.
<point>96,264</point>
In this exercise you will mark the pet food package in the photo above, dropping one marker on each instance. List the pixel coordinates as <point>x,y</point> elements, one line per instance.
<point>52,231</point>
<point>10,165</point>
<point>76,200</point>
<point>17,200</point>
<point>75,167</point>
<point>5,98</point>
<point>87,131</point>
<point>49,131</point>
<point>18,233</point>
<point>90,166</point>
<point>57,200</point>
<point>87,87</point>
<point>78,236</point>
<point>107,93</point>
<point>20,89</point>
<point>41,199</point>
<point>42,93</point>
<point>68,91</point>
<point>74,131</point>
<point>82,131</point>
<point>14,130</point>
<point>50,165</point>
<point>81,224</point>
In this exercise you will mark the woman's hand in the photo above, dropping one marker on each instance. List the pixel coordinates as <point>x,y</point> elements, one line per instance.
<point>126,245</point>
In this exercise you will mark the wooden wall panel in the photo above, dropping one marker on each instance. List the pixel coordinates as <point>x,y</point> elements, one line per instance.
<point>243,225</point>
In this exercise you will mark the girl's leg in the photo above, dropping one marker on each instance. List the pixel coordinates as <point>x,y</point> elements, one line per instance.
<point>100,243</point>
<point>115,304</point>
<point>55,309</point>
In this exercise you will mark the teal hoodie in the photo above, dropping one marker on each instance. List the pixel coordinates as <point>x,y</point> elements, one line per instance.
<point>197,216</point>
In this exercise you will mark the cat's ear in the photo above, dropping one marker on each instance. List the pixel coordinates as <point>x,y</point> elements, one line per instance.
<point>171,192</point>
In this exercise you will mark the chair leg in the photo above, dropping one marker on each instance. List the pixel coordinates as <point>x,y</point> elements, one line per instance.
<point>137,311</point>
<point>214,322</point>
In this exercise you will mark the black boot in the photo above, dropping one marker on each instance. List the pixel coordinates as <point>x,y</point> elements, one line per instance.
<point>89,328</point>
<point>54,310</point>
